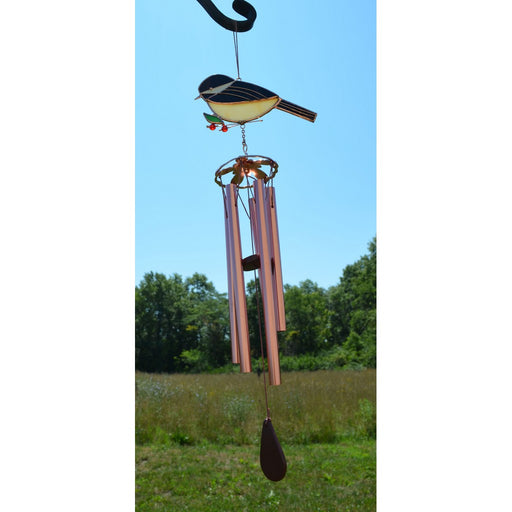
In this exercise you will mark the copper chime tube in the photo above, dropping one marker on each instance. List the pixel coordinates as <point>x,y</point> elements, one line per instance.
<point>254,226</point>
<point>276,259</point>
<point>235,350</point>
<point>270,205</point>
<point>237,278</point>
<point>264,237</point>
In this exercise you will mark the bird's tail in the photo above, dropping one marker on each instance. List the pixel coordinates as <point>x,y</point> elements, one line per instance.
<point>291,108</point>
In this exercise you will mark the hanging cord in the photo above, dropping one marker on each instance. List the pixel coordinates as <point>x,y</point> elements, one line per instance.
<point>242,203</point>
<point>225,201</point>
<point>237,58</point>
<point>261,345</point>
<point>235,41</point>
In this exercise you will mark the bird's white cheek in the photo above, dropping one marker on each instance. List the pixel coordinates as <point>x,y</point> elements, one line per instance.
<point>219,88</point>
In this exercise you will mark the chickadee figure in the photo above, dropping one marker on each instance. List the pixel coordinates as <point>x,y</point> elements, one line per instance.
<point>237,101</point>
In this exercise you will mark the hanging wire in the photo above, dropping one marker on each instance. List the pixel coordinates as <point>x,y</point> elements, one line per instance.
<point>261,346</point>
<point>224,197</point>
<point>235,41</point>
<point>242,203</point>
<point>242,126</point>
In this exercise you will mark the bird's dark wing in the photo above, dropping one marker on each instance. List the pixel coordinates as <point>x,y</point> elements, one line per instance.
<point>241,91</point>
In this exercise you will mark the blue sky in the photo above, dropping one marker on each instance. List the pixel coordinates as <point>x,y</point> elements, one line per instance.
<point>322,59</point>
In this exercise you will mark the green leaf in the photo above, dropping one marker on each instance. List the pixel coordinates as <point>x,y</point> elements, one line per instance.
<point>212,119</point>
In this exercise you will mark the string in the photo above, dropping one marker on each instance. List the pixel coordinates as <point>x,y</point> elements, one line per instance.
<point>242,203</point>
<point>261,346</point>
<point>225,201</point>
<point>235,41</point>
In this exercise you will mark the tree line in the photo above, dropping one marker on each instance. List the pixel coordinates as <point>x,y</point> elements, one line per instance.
<point>182,325</point>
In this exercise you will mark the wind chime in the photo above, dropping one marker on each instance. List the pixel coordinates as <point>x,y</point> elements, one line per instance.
<point>235,102</point>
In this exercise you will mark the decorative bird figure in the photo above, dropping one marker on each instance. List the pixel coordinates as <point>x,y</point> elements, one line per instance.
<point>239,102</point>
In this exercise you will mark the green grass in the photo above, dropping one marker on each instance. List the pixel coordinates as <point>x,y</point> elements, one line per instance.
<point>198,438</point>
<point>320,477</point>
<point>308,407</point>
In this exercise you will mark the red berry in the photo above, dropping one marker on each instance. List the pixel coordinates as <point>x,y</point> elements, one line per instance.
<point>212,126</point>
<point>224,128</point>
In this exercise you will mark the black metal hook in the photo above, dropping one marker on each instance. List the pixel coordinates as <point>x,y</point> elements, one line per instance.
<point>242,7</point>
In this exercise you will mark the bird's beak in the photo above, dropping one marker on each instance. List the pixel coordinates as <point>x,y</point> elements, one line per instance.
<point>197,97</point>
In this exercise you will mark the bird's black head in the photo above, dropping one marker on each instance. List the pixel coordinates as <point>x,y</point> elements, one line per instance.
<point>214,81</point>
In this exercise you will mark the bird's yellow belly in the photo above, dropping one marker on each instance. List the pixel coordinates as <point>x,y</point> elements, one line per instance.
<point>245,110</point>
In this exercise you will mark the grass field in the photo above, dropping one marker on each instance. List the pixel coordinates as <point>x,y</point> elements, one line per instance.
<point>320,477</point>
<point>198,442</point>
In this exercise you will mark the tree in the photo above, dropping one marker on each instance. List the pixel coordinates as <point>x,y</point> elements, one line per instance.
<point>306,319</point>
<point>254,303</point>
<point>161,309</point>
<point>180,325</point>
<point>208,318</point>
<point>352,306</point>
<point>183,325</point>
